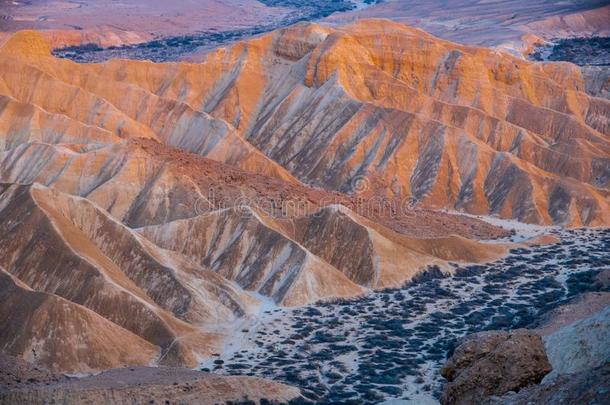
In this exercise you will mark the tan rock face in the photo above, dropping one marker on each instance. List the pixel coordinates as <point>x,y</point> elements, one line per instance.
<point>494,363</point>
<point>581,345</point>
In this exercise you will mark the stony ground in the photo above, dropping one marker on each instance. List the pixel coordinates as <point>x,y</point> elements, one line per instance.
<point>16,373</point>
<point>391,344</point>
<point>137,385</point>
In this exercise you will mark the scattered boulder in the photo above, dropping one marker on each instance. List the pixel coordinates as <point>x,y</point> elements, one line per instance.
<point>493,363</point>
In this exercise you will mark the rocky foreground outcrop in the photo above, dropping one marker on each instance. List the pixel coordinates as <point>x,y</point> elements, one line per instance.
<point>493,363</point>
<point>565,360</point>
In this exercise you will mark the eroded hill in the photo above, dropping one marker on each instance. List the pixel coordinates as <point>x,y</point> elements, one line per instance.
<point>162,202</point>
<point>407,114</point>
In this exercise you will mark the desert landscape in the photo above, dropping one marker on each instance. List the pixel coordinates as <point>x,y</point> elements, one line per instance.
<point>346,202</point>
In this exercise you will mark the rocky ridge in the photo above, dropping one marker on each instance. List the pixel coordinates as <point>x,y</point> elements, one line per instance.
<point>523,140</point>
